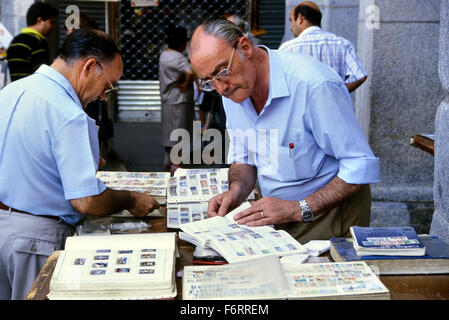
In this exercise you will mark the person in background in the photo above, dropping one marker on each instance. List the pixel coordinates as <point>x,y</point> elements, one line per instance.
<point>49,158</point>
<point>176,89</point>
<point>333,50</point>
<point>315,177</point>
<point>29,49</point>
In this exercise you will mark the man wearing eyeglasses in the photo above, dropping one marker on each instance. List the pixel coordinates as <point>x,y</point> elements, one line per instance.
<point>315,179</point>
<point>49,157</point>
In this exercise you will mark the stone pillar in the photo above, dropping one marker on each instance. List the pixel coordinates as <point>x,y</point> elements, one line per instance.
<point>400,97</point>
<point>440,221</point>
<point>13,15</point>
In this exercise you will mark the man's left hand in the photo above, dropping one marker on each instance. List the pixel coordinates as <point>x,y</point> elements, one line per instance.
<point>269,211</point>
<point>101,163</point>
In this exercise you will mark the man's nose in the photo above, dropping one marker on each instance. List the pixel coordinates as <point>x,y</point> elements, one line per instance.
<point>221,86</point>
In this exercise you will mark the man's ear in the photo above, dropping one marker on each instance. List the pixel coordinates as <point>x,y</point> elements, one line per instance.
<point>300,19</point>
<point>88,66</point>
<point>245,47</point>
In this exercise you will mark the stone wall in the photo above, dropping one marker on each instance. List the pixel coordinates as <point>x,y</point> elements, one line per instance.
<point>440,222</point>
<point>400,98</point>
<point>13,14</point>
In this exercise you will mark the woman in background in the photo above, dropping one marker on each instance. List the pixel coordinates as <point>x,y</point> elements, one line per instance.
<point>176,88</point>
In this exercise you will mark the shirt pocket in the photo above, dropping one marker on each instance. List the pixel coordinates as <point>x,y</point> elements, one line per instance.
<point>34,246</point>
<point>294,164</point>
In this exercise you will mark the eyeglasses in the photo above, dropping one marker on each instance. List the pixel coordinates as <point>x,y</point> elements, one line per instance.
<point>112,88</point>
<point>209,85</point>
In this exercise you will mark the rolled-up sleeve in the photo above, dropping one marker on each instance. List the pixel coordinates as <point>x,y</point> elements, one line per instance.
<point>353,67</point>
<point>332,122</point>
<point>77,159</point>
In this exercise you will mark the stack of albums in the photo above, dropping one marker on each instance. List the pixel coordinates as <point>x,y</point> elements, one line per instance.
<point>152,183</point>
<point>189,192</point>
<point>268,278</point>
<point>140,266</point>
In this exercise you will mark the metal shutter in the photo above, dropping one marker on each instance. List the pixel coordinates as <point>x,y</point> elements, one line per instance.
<point>271,18</point>
<point>94,9</point>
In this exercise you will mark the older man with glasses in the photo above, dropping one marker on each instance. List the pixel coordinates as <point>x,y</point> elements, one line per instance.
<point>49,158</point>
<point>315,179</point>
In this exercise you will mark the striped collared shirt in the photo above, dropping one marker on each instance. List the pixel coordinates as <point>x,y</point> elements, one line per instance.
<point>335,51</point>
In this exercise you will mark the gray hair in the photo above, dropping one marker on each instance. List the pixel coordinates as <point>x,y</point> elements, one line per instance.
<point>226,31</point>
<point>242,24</point>
<point>223,29</point>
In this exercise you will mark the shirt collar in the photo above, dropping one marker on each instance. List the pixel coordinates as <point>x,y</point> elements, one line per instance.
<point>308,30</point>
<point>278,83</point>
<point>29,30</point>
<point>54,75</point>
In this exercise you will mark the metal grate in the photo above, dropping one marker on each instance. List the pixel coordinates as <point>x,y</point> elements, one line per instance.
<point>94,9</point>
<point>271,18</point>
<point>142,30</point>
<point>139,101</point>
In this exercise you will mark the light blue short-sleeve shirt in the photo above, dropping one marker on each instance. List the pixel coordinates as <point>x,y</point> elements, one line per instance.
<point>306,134</point>
<point>49,148</point>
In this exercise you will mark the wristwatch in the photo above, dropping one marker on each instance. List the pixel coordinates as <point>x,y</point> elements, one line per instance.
<point>306,213</point>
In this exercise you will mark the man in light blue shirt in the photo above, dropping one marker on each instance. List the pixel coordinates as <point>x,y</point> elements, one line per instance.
<point>335,51</point>
<point>49,157</point>
<point>292,126</point>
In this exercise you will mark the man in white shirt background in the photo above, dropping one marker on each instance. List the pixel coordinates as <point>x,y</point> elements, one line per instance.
<point>327,47</point>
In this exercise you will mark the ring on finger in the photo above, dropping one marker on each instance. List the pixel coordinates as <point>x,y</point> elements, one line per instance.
<point>261,215</point>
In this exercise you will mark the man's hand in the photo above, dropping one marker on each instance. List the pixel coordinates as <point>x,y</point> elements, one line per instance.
<point>223,203</point>
<point>101,163</point>
<point>142,204</point>
<point>269,211</point>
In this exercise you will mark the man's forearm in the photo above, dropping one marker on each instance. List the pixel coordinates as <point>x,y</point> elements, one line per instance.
<point>109,201</point>
<point>242,179</point>
<point>331,195</point>
<point>354,85</point>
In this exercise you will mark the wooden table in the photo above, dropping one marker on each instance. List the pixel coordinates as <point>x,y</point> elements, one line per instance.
<point>414,287</point>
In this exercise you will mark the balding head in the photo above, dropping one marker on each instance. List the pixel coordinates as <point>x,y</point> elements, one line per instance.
<point>304,15</point>
<point>310,4</point>
<point>221,29</point>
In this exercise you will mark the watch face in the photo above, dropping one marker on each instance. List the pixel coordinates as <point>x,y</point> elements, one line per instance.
<point>307,216</point>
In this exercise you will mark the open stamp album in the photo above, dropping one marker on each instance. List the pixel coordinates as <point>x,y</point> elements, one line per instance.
<point>236,242</point>
<point>138,266</point>
<point>268,278</point>
<point>152,183</point>
<point>189,192</point>
<point>181,213</point>
<point>196,187</point>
